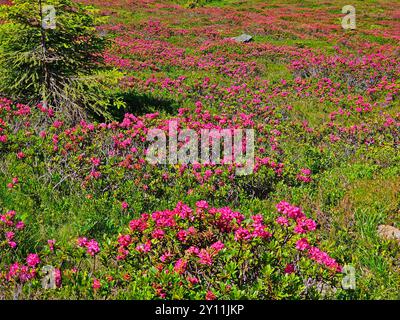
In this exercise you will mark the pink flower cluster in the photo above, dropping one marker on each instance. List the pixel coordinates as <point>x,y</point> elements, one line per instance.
<point>96,284</point>
<point>10,227</point>
<point>205,257</point>
<point>92,247</point>
<point>318,255</point>
<point>304,175</point>
<point>123,242</point>
<point>302,223</point>
<point>22,272</point>
<point>13,183</point>
<point>32,260</point>
<point>150,231</point>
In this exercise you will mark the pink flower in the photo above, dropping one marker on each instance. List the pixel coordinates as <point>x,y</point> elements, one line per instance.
<point>198,104</point>
<point>193,280</point>
<point>138,224</point>
<point>26,273</point>
<point>95,174</point>
<point>182,235</point>
<point>192,250</point>
<point>305,225</point>
<point>302,244</point>
<point>210,295</point>
<point>20,155</point>
<point>310,224</point>
<point>205,257</point>
<point>289,268</point>
<point>96,284</point>
<point>145,247</point>
<point>124,205</point>
<point>92,247</point>
<point>57,124</point>
<point>202,204</point>
<point>180,266</point>
<point>57,277</point>
<point>32,260</point>
<point>158,234</point>
<point>10,235</point>
<point>260,230</point>
<point>122,253</point>
<point>191,231</point>
<point>51,244</point>
<point>304,178</point>
<point>217,246</point>
<point>258,219</point>
<point>20,225</point>
<point>166,256</point>
<point>299,229</point>
<point>282,221</point>
<point>12,244</point>
<point>82,242</point>
<point>289,210</point>
<point>124,240</point>
<point>304,175</point>
<point>242,234</point>
<point>95,161</point>
<point>183,210</point>
<point>323,258</point>
<point>13,271</point>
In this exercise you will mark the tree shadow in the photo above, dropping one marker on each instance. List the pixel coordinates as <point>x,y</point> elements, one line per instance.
<point>142,103</point>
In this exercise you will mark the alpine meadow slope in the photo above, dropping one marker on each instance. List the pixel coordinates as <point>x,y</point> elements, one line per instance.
<point>84,214</point>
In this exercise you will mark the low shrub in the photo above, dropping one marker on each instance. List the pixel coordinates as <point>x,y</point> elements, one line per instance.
<point>183,253</point>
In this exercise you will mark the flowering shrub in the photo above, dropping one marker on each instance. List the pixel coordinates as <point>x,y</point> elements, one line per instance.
<point>192,252</point>
<point>185,253</point>
<point>9,227</point>
<point>323,104</point>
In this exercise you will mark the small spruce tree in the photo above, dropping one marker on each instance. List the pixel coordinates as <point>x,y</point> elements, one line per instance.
<point>50,52</point>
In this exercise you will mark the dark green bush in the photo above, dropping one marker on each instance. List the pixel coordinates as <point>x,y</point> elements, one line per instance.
<point>56,65</point>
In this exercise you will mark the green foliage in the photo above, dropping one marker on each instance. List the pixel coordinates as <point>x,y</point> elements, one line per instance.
<point>56,65</point>
<point>74,179</point>
<point>194,3</point>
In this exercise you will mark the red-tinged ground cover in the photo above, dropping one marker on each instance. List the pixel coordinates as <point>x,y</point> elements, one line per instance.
<point>80,197</point>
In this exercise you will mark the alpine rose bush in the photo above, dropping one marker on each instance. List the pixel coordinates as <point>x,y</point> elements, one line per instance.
<point>199,252</point>
<point>85,212</point>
